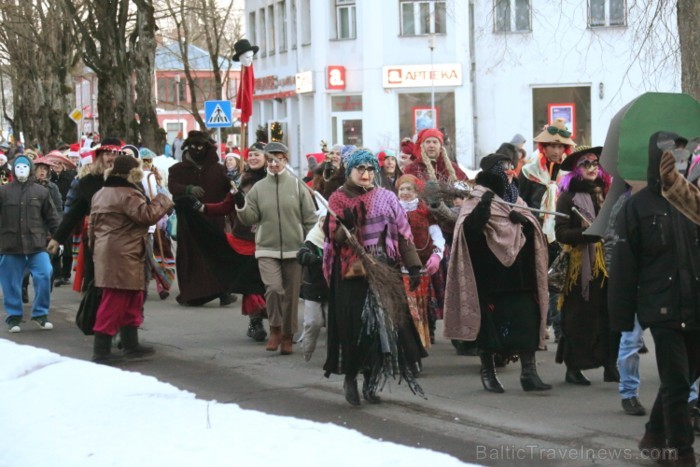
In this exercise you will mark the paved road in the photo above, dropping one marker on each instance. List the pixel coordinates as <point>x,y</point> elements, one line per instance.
<point>205,350</point>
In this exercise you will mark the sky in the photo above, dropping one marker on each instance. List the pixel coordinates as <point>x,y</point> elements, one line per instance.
<point>58,411</point>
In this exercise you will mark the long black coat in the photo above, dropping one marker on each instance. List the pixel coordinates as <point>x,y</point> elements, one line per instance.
<point>586,340</point>
<point>196,280</point>
<point>313,285</point>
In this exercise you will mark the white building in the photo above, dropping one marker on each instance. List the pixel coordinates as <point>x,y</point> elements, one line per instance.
<point>359,71</point>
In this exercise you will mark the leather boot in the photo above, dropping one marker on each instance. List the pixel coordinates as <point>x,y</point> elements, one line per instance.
<point>529,379</point>
<point>102,350</point>
<point>273,342</point>
<point>256,330</point>
<point>286,347</point>
<point>368,393</point>
<point>488,373</point>
<point>130,342</point>
<point>350,389</point>
<point>576,377</point>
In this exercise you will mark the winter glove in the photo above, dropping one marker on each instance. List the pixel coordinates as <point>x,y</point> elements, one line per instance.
<point>348,219</point>
<point>413,278</point>
<point>433,264</point>
<point>517,218</point>
<point>196,191</point>
<point>431,193</point>
<point>487,199</point>
<point>668,171</point>
<point>191,202</point>
<point>477,219</point>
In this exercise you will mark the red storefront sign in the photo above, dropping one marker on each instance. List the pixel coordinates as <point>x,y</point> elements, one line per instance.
<point>335,78</point>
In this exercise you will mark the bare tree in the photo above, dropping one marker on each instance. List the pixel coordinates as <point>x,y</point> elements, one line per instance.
<point>689,38</point>
<point>35,42</point>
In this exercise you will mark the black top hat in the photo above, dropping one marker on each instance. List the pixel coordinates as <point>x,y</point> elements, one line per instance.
<point>242,47</point>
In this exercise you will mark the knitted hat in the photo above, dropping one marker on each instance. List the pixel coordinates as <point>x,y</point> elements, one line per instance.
<point>256,146</point>
<point>123,165</point>
<point>131,150</point>
<point>337,147</point>
<point>408,178</point>
<point>556,132</point>
<point>518,139</point>
<point>231,155</point>
<point>383,154</point>
<point>346,151</point>
<point>571,160</point>
<point>145,153</point>
<point>359,157</point>
<point>429,133</point>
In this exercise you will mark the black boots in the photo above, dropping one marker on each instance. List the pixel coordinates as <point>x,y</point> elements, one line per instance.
<point>370,394</point>
<point>130,342</point>
<point>529,379</point>
<point>256,330</point>
<point>102,351</point>
<point>576,377</point>
<point>488,373</point>
<point>350,389</point>
<point>611,374</point>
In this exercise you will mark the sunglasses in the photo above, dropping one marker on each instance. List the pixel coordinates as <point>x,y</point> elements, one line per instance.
<point>588,164</point>
<point>361,169</point>
<point>552,130</point>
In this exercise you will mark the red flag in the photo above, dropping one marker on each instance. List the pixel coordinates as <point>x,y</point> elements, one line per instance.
<point>244,98</point>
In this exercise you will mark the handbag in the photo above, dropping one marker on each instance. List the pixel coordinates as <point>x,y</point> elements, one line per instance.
<point>356,270</point>
<point>87,310</point>
<point>558,270</point>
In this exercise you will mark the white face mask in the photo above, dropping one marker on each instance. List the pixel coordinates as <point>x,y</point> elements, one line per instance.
<point>22,172</point>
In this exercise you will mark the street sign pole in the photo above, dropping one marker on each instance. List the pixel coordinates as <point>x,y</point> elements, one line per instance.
<point>218,139</point>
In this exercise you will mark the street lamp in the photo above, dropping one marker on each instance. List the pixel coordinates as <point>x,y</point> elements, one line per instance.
<point>431,46</point>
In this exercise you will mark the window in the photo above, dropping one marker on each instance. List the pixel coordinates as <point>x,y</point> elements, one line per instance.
<point>263,33</point>
<point>420,17</point>
<point>282,15</point>
<point>305,22</point>
<point>271,29</point>
<point>170,90</point>
<point>204,89</point>
<point>345,19</point>
<point>606,13</point>
<point>294,24</point>
<point>511,16</point>
<point>251,28</point>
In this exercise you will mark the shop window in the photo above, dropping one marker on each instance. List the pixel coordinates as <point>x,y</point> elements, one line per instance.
<point>346,103</point>
<point>606,13</point>
<point>415,113</point>
<point>345,19</point>
<point>511,16</point>
<point>421,17</point>
<point>571,103</point>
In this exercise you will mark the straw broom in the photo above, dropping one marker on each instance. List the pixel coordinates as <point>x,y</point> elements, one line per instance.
<point>385,281</point>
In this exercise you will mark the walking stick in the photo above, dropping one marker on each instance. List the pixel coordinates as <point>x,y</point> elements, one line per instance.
<point>450,191</point>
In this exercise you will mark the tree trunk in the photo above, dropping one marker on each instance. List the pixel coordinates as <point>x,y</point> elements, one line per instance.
<point>689,37</point>
<point>144,56</point>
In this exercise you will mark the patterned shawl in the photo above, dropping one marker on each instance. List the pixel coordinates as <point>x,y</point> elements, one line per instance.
<point>537,171</point>
<point>378,216</point>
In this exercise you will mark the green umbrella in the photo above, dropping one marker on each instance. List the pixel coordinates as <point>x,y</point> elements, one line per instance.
<point>626,150</point>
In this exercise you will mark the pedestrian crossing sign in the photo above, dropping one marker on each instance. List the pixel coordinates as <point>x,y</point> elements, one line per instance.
<point>217,114</point>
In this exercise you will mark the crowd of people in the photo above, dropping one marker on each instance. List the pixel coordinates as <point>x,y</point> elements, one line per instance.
<point>380,246</point>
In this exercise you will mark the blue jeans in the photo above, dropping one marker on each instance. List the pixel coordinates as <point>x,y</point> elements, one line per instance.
<point>12,267</point>
<point>628,360</point>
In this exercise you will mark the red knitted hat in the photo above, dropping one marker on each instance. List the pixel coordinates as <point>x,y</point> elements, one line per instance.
<point>408,178</point>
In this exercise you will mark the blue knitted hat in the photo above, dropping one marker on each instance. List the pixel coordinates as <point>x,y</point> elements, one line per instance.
<point>22,159</point>
<point>345,152</point>
<point>359,157</point>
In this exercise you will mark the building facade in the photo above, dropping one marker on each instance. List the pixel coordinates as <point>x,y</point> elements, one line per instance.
<point>371,73</point>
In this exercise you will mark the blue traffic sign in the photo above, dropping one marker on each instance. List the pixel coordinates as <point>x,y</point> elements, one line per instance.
<point>217,114</point>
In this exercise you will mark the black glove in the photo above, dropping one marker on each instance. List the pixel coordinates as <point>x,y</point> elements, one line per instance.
<point>190,202</point>
<point>239,198</point>
<point>196,191</point>
<point>431,193</point>
<point>486,200</point>
<point>592,238</point>
<point>413,278</point>
<point>517,218</point>
<point>348,219</point>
